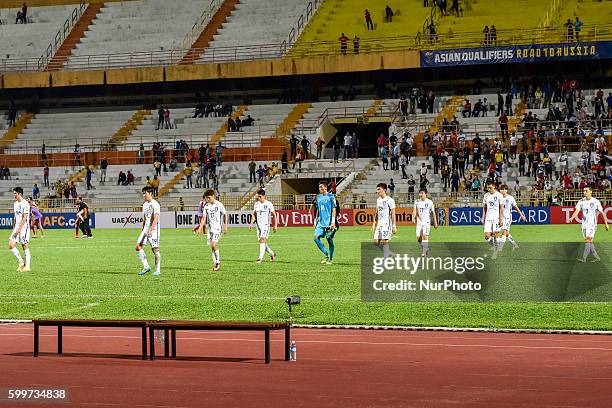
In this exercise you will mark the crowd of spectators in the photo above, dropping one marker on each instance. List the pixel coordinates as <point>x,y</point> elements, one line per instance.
<point>5,173</point>
<point>213,110</point>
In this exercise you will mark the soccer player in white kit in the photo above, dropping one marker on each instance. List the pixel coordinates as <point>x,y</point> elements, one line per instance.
<point>150,232</point>
<point>215,219</point>
<point>384,224</point>
<point>509,203</point>
<point>591,208</point>
<point>493,215</point>
<point>21,230</point>
<point>263,215</point>
<point>423,208</point>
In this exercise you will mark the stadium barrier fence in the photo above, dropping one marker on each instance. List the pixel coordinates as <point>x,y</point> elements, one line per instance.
<point>459,39</point>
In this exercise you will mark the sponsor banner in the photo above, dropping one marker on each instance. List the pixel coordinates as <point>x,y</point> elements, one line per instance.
<point>403,216</point>
<point>189,219</point>
<point>517,54</point>
<point>473,216</point>
<point>305,218</point>
<point>64,220</point>
<point>6,221</point>
<point>561,215</point>
<point>119,219</point>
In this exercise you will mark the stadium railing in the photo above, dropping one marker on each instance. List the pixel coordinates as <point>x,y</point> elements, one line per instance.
<point>312,49</point>
<point>235,202</point>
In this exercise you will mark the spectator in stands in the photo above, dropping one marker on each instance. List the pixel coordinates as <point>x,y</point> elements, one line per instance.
<point>577,28</point>
<point>347,146</point>
<point>355,145</point>
<point>22,15</point>
<point>161,113</point>
<point>188,171</point>
<point>509,98</point>
<point>293,144</point>
<point>252,168</point>
<point>122,178</point>
<point>487,36</point>
<point>200,110</point>
<point>35,192</point>
<point>305,143</point>
<point>368,20</point>
<point>129,179</point>
<point>219,152</point>
<point>103,167</point>
<point>569,26</point>
<point>167,123</point>
<point>430,101</point>
<point>467,109</point>
<point>503,125</point>
<point>493,35</point>
<point>11,116</point>
<point>141,154</point>
<point>477,109</point>
<point>343,44</point>
<point>433,35</point>
<point>388,14</point>
<point>46,176</point>
<point>356,44</point>
<point>299,158</point>
<point>157,166</point>
<point>248,121</point>
<point>319,143</point>
<point>337,149</point>
<point>77,155</point>
<point>88,176</point>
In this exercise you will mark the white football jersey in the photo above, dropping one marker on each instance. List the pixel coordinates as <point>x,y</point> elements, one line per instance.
<point>150,209</point>
<point>589,210</point>
<point>384,206</point>
<point>21,210</point>
<point>424,209</point>
<point>492,203</point>
<point>263,212</point>
<point>214,215</point>
<point>509,202</point>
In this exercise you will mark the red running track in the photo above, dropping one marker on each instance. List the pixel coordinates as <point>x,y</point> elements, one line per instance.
<point>348,368</point>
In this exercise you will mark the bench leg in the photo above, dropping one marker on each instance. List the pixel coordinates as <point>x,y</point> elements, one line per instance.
<point>267,341</point>
<point>287,343</point>
<point>173,343</point>
<point>152,343</point>
<point>36,330</point>
<point>59,340</point>
<point>166,343</point>
<point>144,343</point>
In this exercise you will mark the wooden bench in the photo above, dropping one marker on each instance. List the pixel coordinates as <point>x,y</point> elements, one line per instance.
<point>142,324</point>
<point>171,326</point>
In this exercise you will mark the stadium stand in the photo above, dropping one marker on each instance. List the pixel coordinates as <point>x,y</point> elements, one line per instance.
<point>253,22</point>
<point>60,132</point>
<point>137,26</point>
<point>335,17</point>
<point>30,40</point>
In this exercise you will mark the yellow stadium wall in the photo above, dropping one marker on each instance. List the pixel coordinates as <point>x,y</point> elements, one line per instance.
<point>250,69</point>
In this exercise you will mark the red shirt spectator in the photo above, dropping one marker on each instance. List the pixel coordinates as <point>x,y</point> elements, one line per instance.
<point>503,119</point>
<point>46,171</point>
<point>567,182</point>
<point>381,141</point>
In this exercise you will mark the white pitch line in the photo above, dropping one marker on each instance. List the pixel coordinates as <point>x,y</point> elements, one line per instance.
<point>147,296</point>
<point>74,309</point>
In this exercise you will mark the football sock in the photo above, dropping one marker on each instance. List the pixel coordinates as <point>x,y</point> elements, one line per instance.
<point>157,261</point>
<point>269,250</point>
<point>502,241</point>
<point>15,252</point>
<point>214,257</point>
<point>425,244</point>
<point>143,258</point>
<point>512,241</point>
<point>218,256</point>
<point>262,250</point>
<point>331,248</point>
<point>587,249</point>
<point>27,257</point>
<point>386,250</point>
<point>594,251</point>
<point>321,246</point>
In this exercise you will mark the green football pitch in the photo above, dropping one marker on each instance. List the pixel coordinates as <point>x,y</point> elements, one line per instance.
<point>98,279</point>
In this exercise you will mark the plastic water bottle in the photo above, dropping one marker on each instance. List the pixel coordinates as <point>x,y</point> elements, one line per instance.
<point>293,352</point>
<point>160,336</point>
